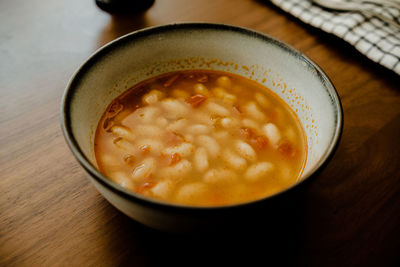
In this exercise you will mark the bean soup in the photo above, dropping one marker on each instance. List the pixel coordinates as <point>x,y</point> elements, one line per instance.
<point>202,138</point>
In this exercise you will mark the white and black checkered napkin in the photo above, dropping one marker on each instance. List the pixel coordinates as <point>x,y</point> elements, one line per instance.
<point>374,38</point>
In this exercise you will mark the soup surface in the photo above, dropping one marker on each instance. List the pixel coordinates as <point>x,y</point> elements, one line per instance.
<point>201,138</point>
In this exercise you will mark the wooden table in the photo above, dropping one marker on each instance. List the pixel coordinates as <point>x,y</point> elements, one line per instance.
<point>51,215</point>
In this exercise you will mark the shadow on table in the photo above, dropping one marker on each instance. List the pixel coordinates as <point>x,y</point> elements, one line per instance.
<point>261,241</point>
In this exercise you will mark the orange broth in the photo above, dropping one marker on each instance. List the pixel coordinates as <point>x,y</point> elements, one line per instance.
<point>203,138</point>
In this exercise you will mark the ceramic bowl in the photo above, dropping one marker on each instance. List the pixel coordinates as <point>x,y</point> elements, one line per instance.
<point>140,55</point>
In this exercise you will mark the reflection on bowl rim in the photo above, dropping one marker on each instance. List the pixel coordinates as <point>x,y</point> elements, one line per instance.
<point>130,195</point>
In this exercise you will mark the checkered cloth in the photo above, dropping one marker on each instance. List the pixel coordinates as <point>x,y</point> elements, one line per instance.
<point>378,40</point>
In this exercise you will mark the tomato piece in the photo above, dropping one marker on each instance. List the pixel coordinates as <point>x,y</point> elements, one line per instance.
<point>259,142</point>
<point>203,78</point>
<point>287,149</point>
<point>196,100</point>
<point>171,80</point>
<point>237,110</point>
<point>173,159</point>
<point>173,139</point>
<point>246,133</point>
<point>145,186</point>
<point>145,149</point>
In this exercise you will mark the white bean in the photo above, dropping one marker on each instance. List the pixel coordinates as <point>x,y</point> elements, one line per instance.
<point>251,109</point>
<point>190,192</point>
<point>290,134</point>
<point>229,122</point>
<point>111,161</point>
<point>162,189</point>
<point>174,108</point>
<point>272,133</point>
<point>176,172</point>
<point>219,92</point>
<point>125,145</point>
<point>286,172</point>
<point>262,100</point>
<point>123,132</point>
<point>202,117</point>
<point>245,150</point>
<point>148,130</point>
<point>201,89</point>
<point>144,170</point>
<point>184,150</point>
<point>215,109</point>
<point>188,138</point>
<point>222,94</point>
<point>220,176</point>
<point>221,135</point>
<point>224,81</point>
<point>210,144</point>
<point>177,125</point>
<point>161,122</point>
<point>233,160</point>
<point>258,170</point>
<point>148,114</point>
<point>250,124</point>
<point>122,179</point>
<point>230,98</point>
<point>200,159</point>
<point>154,145</point>
<point>152,97</point>
<point>199,129</point>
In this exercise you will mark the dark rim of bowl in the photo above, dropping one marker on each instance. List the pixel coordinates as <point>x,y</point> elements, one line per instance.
<point>92,170</point>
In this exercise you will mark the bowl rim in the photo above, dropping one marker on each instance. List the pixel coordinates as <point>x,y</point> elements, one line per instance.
<point>69,91</point>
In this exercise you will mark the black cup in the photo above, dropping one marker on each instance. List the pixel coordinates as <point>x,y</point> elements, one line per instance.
<point>124,6</point>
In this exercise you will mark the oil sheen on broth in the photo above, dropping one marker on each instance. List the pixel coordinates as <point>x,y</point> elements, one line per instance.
<point>201,138</point>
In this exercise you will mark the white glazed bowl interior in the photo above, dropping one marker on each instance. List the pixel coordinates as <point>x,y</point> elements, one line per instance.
<point>150,52</point>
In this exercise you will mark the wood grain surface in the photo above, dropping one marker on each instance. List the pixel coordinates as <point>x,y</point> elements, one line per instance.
<point>50,215</point>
